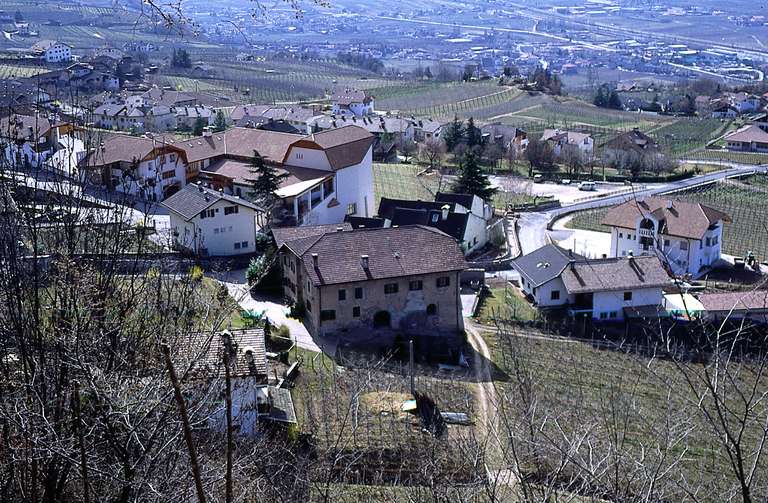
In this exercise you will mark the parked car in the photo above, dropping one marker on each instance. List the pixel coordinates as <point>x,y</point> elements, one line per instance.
<point>565,181</point>
<point>587,186</point>
<point>538,179</point>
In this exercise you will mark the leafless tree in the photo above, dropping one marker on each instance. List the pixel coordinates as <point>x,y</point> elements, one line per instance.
<point>432,152</point>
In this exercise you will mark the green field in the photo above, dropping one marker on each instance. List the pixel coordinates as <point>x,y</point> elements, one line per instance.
<point>505,303</point>
<point>9,71</point>
<point>688,134</point>
<point>401,181</point>
<point>745,204</point>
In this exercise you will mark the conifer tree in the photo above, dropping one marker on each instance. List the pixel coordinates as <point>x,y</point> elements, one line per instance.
<point>472,180</point>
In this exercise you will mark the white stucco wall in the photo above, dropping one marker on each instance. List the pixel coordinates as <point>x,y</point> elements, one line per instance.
<point>608,302</point>
<point>217,234</point>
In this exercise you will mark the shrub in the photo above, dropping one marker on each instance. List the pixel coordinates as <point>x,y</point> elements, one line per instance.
<point>257,269</point>
<point>196,273</point>
<point>284,332</point>
<point>298,311</point>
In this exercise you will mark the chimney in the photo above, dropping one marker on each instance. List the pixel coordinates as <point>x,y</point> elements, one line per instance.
<point>445,208</point>
<point>314,260</point>
<point>630,255</point>
<point>364,261</point>
<point>571,264</point>
<point>207,132</point>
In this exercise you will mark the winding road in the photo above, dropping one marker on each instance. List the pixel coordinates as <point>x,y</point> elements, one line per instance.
<point>532,226</point>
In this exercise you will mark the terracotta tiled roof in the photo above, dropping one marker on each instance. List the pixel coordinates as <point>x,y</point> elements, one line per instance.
<point>615,274</point>
<point>688,220</point>
<point>192,199</point>
<point>125,148</point>
<point>392,253</point>
<point>345,146</point>
<point>290,234</point>
<point>248,354</point>
<point>347,96</point>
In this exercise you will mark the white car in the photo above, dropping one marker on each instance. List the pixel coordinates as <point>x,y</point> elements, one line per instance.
<point>589,186</point>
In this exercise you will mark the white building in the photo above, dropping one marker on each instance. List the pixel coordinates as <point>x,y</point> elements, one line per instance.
<point>351,101</point>
<point>687,237</point>
<point>559,139</point>
<point>148,168</point>
<point>52,51</point>
<point>211,223</point>
<point>603,289</point>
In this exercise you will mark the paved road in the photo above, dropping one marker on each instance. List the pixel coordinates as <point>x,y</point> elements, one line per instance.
<point>533,226</point>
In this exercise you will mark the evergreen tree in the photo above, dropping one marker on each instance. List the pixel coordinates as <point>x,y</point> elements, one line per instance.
<point>266,182</point>
<point>200,125</point>
<point>220,123</point>
<point>454,133</point>
<point>471,179</point>
<point>473,134</point>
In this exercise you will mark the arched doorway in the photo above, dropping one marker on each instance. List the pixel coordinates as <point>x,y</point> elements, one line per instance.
<point>382,319</point>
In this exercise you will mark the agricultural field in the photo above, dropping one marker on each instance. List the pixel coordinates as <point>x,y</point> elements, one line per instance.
<point>10,71</point>
<point>744,201</point>
<point>505,303</point>
<point>727,156</point>
<point>402,181</point>
<point>572,112</point>
<point>688,134</point>
<point>275,80</point>
<point>605,398</point>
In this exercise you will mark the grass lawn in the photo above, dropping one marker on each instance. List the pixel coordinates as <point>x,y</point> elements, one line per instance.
<point>505,302</point>
<point>401,181</point>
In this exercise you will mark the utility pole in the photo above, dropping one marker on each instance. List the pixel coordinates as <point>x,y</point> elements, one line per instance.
<point>185,424</point>
<point>410,366</point>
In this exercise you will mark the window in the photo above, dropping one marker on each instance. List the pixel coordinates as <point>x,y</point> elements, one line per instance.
<point>555,295</point>
<point>432,310</point>
<point>237,246</point>
<point>627,296</point>
<point>435,218</point>
<point>206,214</point>
<point>533,291</point>
<point>612,314</point>
<point>621,234</point>
<point>327,315</point>
<point>352,209</point>
<point>684,245</point>
<point>328,187</point>
<point>709,242</point>
<point>359,292</point>
<point>285,260</point>
<point>245,244</point>
<point>443,281</point>
<point>415,285</point>
<point>231,209</point>
<point>356,312</point>
<point>299,156</point>
<point>603,316</point>
<point>173,157</point>
<point>168,174</point>
<point>666,243</point>
<point>342,294</point>
<point>390,288</point>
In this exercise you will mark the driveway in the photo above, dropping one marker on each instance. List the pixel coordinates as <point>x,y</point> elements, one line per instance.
<point>276,312</point>
<point>589,244</point>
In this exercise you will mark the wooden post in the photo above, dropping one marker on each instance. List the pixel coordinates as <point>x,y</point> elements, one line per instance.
<point>228,378</point>
<point>185,424</point>
<point>410,365</point>
<point>80,440</point>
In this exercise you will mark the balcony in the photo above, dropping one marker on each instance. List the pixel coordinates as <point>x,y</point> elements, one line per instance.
<point>646,233</point>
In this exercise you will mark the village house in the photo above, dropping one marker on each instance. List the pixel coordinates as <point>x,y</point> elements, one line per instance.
<point>425,129</point>
<point>394,128</point>
<point>465,217</point>
<point>258,115</point>
<point>369,281</point>
<point>188,116</point>
<point>256,398</point>
<point>345,101</point>
<point>687,237</point>
<point>558,139</point>
<point>634,141</point>
<point>750,138</point>
<point>149,168</point>
<point>508,138</point>
<point>608,289</point>
<point>208,222</point>
<point>52,51</point>
<point>329,174</point>
<point>30,139</point>
<point>743,305</point>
